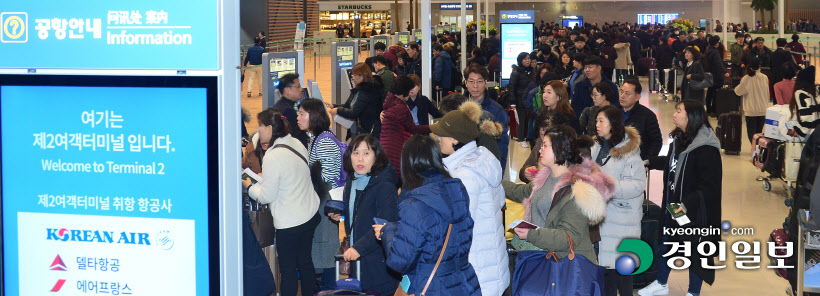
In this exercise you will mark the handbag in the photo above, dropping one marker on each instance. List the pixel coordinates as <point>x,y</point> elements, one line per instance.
<point>401,292</point>
<point>542,273</point>
<point>344,265</point>
<point>707,82</point>
<point>261,219</point>
<point>262,225</point>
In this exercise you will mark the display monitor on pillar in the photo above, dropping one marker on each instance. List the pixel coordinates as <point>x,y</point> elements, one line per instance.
<point>417,35</point>
<point>344,56</point>
<point>276,65</point>
<point>516,37</point>
<point>403,38</point>
<point>376,39</point>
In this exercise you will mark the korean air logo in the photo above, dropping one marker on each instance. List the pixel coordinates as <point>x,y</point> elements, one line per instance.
<point>625,265</point>
<point>504,16</point>
<point>15,27</point>
<point>61,234</point>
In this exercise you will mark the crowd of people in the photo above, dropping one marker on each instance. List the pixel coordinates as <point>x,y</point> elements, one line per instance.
<point>439,186</point>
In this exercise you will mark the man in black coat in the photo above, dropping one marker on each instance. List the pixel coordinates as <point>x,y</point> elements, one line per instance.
<point>288,104</point>
<point>780,58</point>
<point>641,118</point>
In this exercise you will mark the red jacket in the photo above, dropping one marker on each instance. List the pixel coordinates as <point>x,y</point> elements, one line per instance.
<point>397,127</point>
<point>392,54</point>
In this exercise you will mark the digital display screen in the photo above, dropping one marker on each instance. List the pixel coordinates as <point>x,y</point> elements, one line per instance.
<point>515,39</point>
<point>573,23</point>
<point>656,18</point>
<point>280,67</point>
<point>344,56</point>
<point>404,38</point>
<point>418,35</point>
<point>109,189</point>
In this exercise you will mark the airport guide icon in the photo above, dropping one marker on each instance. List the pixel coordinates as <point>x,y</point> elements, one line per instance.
<point>15,27</point>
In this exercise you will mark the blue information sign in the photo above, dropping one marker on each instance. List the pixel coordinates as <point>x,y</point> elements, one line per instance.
<point>99,34</point>
<point>517,16</point>
<point>454,6</point>
<point>108,189</point>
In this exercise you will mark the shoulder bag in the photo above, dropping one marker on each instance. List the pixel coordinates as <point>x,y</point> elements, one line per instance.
<point>261,217</point>
<point>401,292</point>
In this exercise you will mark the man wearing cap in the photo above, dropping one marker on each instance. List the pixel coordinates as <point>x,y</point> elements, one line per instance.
<point>582,91</point>
<point>481,175</point>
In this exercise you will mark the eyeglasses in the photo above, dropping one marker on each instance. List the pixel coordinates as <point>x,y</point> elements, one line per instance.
<point>476,82</point>
<point>596,94</point>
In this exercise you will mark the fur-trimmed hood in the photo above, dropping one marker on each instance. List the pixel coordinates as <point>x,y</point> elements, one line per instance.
<point>630,144</point>
<point>485,123</point>
<point>375,85</point>
<point>591,189</point>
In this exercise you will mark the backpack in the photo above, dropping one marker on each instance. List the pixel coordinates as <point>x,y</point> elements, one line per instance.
<point>455,75</point>
<point>340,179</point>
<point>537,99</point>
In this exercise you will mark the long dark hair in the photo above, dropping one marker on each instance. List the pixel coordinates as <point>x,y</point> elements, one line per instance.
<point>560,90</point>
<point>804,85</point>
<point>696,117</point>
<point>754,65</point>
<point>378,151</point>
<point>281,127</point>
<point>319,121</point>
<point>616,123</point>
<point>420,154</point>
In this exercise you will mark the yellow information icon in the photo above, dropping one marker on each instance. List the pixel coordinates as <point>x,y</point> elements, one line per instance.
<point>15,27</point>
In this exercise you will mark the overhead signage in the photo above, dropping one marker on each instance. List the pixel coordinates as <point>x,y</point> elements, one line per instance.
<point>454,6</point>
<point>656,18</point>
<point>346,6</point>
<point>108,189</point>
<point>517,16</point>
<point>99,34</point>
<point>571,17</point>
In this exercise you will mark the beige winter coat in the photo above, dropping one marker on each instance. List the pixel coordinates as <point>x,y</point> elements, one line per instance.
<point>624,58</point>
<point>755,93</point>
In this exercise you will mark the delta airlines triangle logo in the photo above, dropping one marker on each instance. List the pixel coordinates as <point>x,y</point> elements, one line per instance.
<point>58,264</point>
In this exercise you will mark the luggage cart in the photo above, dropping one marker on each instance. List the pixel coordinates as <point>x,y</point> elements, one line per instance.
<point>808,239</point>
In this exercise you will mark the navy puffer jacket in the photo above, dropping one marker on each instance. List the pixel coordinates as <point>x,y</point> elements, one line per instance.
<point>413,244</point>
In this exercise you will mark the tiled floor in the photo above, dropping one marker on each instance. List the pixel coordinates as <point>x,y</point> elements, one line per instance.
<point>745,203</point>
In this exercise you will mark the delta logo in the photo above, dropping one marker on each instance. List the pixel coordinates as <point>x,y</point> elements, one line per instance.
<point>97,236</point>
<point>58,264</point>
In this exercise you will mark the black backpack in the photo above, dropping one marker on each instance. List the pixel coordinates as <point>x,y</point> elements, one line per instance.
<point>456,76</point>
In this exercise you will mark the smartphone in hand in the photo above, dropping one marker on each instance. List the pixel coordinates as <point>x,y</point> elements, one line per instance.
<point>379,221</point>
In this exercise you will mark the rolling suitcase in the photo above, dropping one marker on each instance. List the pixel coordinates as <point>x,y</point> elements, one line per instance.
<point>651,234</point>
<point>728,132</point>
<point>513,122</point>
<point>726,101</point>
<point>766,155</point>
